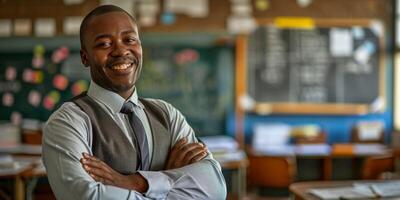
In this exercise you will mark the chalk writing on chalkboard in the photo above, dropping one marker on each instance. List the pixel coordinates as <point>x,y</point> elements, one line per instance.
<point>323,65</point>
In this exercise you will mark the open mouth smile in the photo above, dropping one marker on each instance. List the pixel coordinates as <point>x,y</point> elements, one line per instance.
<point>121,66</point>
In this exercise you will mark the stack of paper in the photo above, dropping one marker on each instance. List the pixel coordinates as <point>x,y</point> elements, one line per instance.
<point>10,135</point>
<point>343,193</point>
<point>22,149</point>
<point>369,149</point>
<point>370,130</point>
<point>313,149</point>
<point>383,189</point>
<point>277,150</point>
<point>9,166</point>
<point>270,135</point>
<point>220,143</point>
<point>361,190</point>
<point>223,148</point>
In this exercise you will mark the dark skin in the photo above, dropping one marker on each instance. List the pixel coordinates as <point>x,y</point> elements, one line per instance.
<point>113,51</point>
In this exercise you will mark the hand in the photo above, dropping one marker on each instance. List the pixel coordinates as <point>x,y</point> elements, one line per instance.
<point>183,154</point>
<point>103,173</point>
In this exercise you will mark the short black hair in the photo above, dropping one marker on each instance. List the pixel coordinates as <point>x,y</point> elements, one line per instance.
<point>99,11</point>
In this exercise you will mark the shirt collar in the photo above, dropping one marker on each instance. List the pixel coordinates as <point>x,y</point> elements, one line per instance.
<point>135,99</point>
<point>112,101</point>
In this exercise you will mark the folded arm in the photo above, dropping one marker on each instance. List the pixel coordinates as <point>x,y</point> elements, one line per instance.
<point>185,179</point>
<point>65,138</point>
<point>199,180</point>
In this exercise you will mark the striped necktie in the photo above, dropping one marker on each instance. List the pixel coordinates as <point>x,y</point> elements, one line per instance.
<point>139,134</point>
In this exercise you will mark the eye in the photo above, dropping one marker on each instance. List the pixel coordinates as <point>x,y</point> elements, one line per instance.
<point>132,40</point>
<point>103,44</point>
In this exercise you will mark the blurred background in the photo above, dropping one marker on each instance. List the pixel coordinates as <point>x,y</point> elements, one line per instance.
<point>282,91</point>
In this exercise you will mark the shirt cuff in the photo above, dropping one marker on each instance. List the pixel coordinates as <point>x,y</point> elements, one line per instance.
<point>159,184</point>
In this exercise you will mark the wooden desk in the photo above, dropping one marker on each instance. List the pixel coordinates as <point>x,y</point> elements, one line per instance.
<point>239,167</point>
<point>323,152</point>
<point>27,165</point>
<point>23,153</point>
<point>30,178</point>
<point>299,190</point>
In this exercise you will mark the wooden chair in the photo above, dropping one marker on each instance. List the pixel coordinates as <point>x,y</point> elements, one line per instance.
<point>271,171</point>
<point>374,167</point>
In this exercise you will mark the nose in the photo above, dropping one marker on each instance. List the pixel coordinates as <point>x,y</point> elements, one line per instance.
<point>120,49</point>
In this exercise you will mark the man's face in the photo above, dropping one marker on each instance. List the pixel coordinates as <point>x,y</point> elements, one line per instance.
<point>113,51</point>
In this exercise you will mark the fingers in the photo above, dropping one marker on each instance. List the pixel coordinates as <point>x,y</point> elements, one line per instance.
<point>189,150</point>
<point>198,152</point>
<point>96,168</point>
<point>174,151</point>
<point>178,145</point>
<point>199,157</point>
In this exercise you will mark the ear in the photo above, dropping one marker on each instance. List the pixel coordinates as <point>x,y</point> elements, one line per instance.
<point>84,58</point>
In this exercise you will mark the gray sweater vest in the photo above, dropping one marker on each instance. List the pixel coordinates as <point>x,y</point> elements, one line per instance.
<point>110,143</point>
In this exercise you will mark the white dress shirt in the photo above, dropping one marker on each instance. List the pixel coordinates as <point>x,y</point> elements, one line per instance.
<point>68,133</point>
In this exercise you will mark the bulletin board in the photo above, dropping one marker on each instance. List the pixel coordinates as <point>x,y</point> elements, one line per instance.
<point>310,66</point>
<point>36,81</point>
<point>197,80</point>
<point>192,73</point>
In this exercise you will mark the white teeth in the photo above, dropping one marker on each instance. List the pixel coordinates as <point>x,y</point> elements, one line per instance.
<point>123,66</point>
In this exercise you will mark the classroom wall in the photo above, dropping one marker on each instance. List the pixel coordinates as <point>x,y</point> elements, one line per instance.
<point>337,127</point>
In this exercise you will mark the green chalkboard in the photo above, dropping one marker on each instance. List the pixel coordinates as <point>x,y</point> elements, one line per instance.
<point>326,64</point>
<point>196,77</point>
<point>196,80</point>
<point>21,88</point>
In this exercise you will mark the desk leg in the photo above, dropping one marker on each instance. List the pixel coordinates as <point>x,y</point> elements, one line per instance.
<point>19,188</point>
<point>30,187</point>
<point>327,168</point>
<point>241,182</point>
<point>235,184</point>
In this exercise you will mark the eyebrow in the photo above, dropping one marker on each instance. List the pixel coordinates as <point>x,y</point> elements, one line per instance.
<point>128,32</point>
<point>102,36</point>
<point>109,35</point>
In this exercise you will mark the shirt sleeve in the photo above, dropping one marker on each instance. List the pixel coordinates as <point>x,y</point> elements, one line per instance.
<point>65,138</point>
<point>201,180</point>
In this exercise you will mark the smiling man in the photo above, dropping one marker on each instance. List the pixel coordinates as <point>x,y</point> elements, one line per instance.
<point>108,143</point>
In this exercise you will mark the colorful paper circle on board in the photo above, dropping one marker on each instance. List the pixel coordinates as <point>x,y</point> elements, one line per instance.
<point>11,73</point>
<point>78,87</point>
<point>27,75</point>
<point>8,99</point>
<point>37,62</point>
<point>34,98</point>
<point>60,82</point>
<point>38,51</point>
<point>48,103</point>
<point>51,100</point>
<point>168,18</point>
<point>60,54</point>
<point>16,118</point>
<point>55,95</point>
<point>186,56</point>
<point>37,77</point>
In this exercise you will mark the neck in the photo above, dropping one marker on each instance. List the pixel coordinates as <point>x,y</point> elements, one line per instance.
<point>126,94</point>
